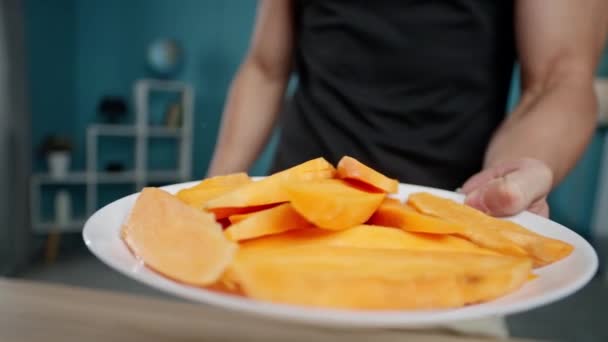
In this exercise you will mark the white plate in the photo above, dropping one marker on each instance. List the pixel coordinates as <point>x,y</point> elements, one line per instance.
<point>559,280</point>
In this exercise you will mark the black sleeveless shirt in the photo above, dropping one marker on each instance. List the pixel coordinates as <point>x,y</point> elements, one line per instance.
<point>413,88</point>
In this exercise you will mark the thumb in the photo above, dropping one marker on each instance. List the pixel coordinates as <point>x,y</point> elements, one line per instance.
<point>514,192</point>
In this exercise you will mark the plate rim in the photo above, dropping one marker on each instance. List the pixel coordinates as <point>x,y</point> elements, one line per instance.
<point>337,317</point>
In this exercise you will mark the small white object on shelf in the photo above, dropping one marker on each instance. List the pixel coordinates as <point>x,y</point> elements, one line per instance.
<point>63,208</point>
<point>59,164</point>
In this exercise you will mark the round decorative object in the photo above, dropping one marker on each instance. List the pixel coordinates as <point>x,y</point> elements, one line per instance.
<point>164,57</point>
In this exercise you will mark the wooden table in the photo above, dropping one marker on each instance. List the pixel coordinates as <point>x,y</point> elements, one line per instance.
<point>44,312</point>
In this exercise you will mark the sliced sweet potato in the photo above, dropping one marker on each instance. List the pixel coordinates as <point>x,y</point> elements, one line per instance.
<point>364,236</point>
<point>391,201</point>
<point>226,288</point>
<point>545,250</point>
<point>395,214</point>
<point>289,239</point>
<point>542,249</point>
<point>351,168</point>
<point>444,208</point>
<point>236,218</point>
<point>227,284</point>
<point>493,240</point>
<point>225,213</point>
<point>332,203</point>
<point>232,179</point>
<point>270,190</point>
<point>211,188</point>
<point>197,197</point>
<point>362,278</point>
<point>267,222</point>
<point>177,240</point>
<point>368,236</point>
<point>403,216</point>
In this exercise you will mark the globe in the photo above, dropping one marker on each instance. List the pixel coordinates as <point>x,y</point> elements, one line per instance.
<point>164,58</point>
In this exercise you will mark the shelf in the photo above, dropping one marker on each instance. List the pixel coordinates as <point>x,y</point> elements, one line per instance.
<point>140,133</point>
<point>131,131</point>
<point>115,177</point>
<point>46,227</point>
<point>83,178</point>
<point>70,178</point>
<point>113,130</point>
<point>105,177</point>
<point>163,132</point>
<point>163,176</point>
<point>163,85</point>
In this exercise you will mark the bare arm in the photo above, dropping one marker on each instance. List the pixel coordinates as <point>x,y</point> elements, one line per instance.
<point>257,91</point>
<point>559,44</point>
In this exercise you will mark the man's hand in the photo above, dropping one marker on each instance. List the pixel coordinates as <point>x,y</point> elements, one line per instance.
<point>511,187</point>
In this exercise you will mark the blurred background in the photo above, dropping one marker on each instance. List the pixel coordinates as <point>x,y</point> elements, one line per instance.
<point>99,98</point>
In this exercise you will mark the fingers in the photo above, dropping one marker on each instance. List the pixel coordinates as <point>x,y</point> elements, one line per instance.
<point>489,174</point>
<point>498,197</point>
<point>479,179</point>
<point>540,207</point>
<point>523,188</point>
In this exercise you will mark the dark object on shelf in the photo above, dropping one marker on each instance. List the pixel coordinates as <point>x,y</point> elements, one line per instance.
<point>55,143</point>
<point>113,109</point>
<point>115,167</point>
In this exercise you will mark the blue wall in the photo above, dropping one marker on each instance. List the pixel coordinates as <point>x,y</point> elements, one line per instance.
<point>51,52</point>
<point>81,50</point>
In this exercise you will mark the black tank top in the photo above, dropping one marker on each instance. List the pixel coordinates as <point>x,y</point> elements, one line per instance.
<point>414,88</point>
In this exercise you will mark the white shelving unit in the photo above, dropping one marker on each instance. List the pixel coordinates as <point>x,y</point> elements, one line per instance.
<point>142,130</point>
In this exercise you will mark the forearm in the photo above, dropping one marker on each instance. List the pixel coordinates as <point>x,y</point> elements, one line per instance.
<point>253,104</point>
<point>543,138</point>
<point>552,124</point>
